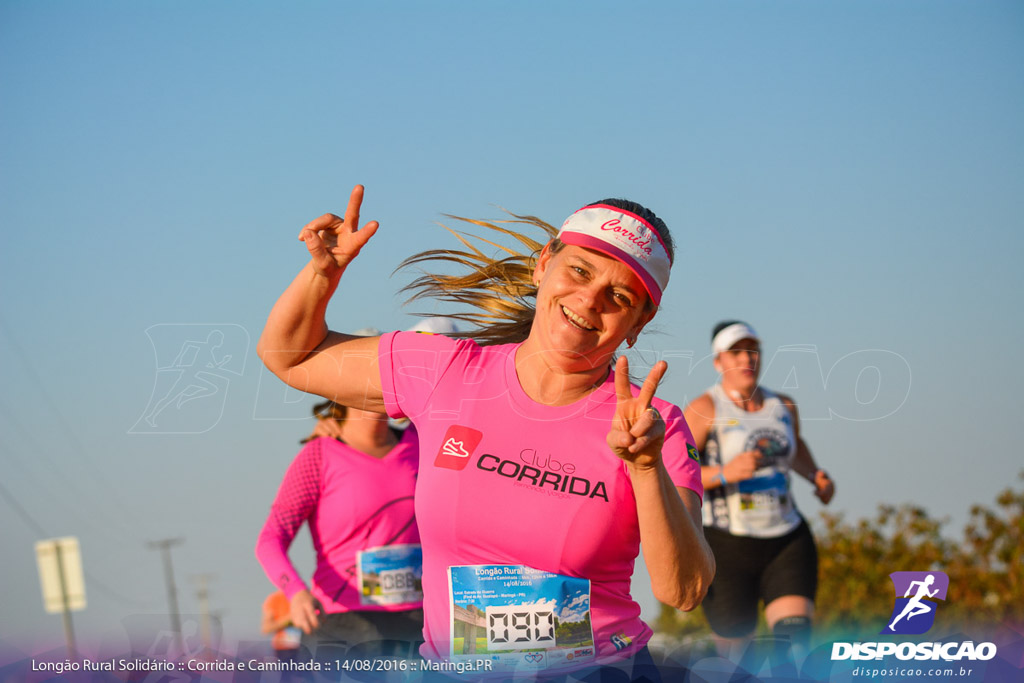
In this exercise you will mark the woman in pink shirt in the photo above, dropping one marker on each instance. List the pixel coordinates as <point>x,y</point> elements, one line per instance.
<point>542,468</point>
<point>355,491</point>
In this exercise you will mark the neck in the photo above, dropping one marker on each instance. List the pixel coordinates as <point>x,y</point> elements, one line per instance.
<point>555,381</point>
<point>749,399</point>
<point>368,432</point>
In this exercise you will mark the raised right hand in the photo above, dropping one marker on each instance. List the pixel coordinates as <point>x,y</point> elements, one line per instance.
<point>743,466</point>
<point>303,611</point>
<point>328,427</point>
<point>334,241</point>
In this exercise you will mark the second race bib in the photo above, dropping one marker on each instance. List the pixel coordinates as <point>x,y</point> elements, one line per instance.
<point>390,575</point>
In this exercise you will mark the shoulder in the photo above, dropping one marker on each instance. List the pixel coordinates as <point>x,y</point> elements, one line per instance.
<point>790,406</point>
<point>437,350</point>
<point>701,409</point>
<point>313,452</point>
<point>784,399</point>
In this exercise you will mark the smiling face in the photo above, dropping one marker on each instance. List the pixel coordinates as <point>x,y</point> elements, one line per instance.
<point>588,304</point>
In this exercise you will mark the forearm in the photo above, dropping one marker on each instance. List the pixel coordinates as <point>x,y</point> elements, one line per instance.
<point>711,476</point>
<point>678,558</point>
<point>272,554</point>
<point>296,324</point>
<point>803,462</point>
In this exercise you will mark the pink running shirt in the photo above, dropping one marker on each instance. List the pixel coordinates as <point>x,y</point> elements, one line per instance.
<point>507,481</point>
<point>352,501</point>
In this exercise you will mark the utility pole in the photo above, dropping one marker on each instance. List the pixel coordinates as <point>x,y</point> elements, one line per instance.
<point>164,545</point>
<point>62,581</point>
<point>69,632</point>
<point>203,595</point>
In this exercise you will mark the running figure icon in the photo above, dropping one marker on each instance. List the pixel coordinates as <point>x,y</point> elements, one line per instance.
<point>192,382</point>
<point>916,605</point>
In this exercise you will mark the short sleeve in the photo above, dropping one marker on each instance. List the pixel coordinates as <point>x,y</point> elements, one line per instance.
<point>411,365</point>
<point>679,454</point>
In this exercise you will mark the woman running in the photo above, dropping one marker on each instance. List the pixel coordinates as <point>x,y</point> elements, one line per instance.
<point>749,440</point>
<point>542,469</point>
<point>355,491</point>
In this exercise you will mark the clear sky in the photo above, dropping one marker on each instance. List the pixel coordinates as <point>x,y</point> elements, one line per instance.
<point>846,176</point>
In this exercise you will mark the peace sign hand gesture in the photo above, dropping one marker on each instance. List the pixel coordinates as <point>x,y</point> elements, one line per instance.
<point>638,431</point>
<point>334,241</point>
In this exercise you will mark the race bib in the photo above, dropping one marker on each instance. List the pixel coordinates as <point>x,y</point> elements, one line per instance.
<point>764,499</point>
<point>390,575</point>
<point>519,617</point>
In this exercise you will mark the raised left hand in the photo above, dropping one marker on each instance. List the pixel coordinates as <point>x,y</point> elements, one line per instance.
<point>824,488</point>
<point>638,430</point>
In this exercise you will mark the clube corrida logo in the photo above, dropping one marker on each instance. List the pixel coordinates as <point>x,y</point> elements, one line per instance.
<point>918,596</point>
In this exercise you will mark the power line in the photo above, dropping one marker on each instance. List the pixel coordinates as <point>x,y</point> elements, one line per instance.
<point>92,581</point>
<point>60,499</point>
<point>110,492</point>
<point>27,518</point>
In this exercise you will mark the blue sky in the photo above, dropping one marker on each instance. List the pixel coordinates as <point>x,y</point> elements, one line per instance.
<point>846,176</point>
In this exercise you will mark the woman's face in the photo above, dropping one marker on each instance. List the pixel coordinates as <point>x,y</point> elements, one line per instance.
<point>740,365</point>
<point>587,305</point>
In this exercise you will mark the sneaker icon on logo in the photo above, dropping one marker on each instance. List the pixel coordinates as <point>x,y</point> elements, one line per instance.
<point>454,448</point>
<point>459,443</point>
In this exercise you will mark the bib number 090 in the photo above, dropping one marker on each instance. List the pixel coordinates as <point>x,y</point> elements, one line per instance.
<point>519,627</point>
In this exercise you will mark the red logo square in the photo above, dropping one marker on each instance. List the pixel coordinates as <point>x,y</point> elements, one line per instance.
<point>459,443</point>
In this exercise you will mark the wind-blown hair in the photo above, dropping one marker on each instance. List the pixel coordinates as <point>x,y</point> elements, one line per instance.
<point>499,289</point>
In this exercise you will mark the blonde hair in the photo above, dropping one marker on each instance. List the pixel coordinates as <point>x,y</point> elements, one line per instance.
<point>500,289</point>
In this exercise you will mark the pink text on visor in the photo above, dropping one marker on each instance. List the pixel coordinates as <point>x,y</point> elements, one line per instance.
<point>624,236</point>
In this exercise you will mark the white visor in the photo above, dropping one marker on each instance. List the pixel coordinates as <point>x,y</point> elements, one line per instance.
<point>436,326</point>
<point>728,336</point>
<point>624,236</point>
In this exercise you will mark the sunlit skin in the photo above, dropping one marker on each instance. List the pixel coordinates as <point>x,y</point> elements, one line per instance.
<point>588,304</point>
<point>740,367</point>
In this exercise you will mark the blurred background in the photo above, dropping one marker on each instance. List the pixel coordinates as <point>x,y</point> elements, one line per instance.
<point>848,177</point>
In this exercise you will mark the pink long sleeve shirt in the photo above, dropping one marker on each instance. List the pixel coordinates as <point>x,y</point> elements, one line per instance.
<point>353,503</point>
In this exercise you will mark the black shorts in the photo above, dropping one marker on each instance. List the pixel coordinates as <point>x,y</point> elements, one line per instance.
<point>752,569</point>
<point>365,634</point>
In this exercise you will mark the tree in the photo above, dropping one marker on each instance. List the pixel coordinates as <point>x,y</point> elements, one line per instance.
<point>985,569</point>
<point>854,563</point>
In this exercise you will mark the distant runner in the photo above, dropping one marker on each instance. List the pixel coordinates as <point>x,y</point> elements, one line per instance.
<point>749,440</point>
